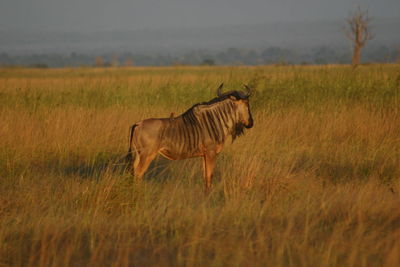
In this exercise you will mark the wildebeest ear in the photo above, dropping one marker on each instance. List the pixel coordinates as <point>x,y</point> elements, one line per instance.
<point>249,90</point>
<point>219,89</point>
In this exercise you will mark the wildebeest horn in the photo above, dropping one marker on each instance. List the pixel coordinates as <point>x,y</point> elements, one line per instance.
<point>249,90</point>
<point>219,89</point>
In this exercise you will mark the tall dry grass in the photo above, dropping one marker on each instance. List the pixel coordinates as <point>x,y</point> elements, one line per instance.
<point>314,183</point>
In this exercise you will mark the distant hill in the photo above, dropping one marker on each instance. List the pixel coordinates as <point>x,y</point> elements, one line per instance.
<point>292,35</point>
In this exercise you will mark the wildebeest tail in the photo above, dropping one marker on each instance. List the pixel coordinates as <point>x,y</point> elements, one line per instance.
<point>129,156</point>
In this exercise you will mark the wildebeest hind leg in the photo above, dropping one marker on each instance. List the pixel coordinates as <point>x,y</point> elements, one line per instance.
<point>141,164</point>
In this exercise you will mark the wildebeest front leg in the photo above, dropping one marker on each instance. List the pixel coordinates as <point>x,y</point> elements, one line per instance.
<point>208,167</point>
<point>141,164</point>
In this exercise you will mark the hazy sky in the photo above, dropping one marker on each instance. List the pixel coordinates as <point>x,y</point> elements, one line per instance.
<point>105,15</point>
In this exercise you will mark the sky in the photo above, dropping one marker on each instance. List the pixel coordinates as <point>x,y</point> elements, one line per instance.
<point>111,15</point>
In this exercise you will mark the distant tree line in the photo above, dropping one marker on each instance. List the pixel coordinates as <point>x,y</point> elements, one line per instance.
<point>230,56</point>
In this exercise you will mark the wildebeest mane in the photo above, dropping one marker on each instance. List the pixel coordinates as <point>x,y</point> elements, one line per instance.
<point>238,95</point>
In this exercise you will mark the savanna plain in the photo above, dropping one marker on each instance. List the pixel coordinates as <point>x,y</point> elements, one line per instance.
<point>315,182</point>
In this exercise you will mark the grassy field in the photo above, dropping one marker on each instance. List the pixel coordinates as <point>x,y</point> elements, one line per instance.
<point>315,182</point>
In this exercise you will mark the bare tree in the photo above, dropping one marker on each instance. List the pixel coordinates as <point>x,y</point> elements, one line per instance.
<point>358,32</point>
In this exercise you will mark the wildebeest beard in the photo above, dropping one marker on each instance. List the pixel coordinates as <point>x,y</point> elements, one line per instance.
<point>238,130</point>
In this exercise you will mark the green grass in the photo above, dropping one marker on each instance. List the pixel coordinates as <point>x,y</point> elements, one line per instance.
<point>315,182</point>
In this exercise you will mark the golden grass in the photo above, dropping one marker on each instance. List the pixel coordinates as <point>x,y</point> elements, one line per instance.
<point>314,183</point>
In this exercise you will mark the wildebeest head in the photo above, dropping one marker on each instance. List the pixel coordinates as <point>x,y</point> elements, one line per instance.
<point>241,101</point>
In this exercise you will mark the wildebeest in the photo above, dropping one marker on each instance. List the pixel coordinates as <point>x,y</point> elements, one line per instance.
<point>199,132</point>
